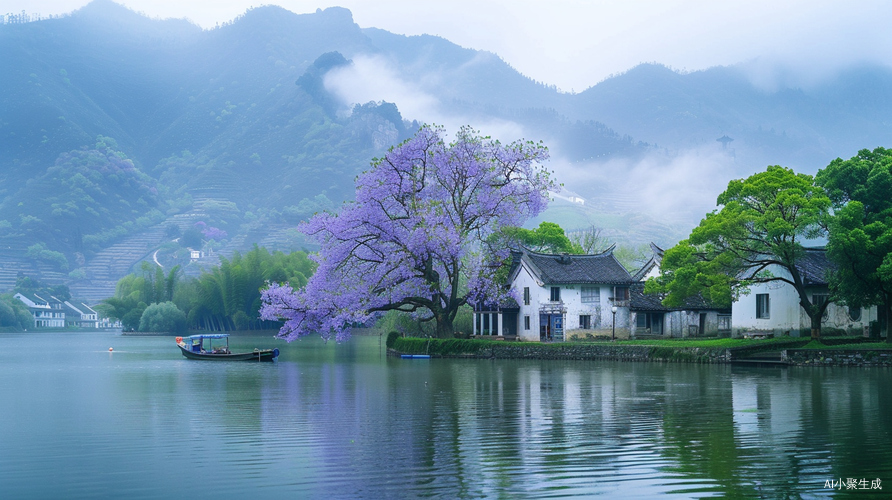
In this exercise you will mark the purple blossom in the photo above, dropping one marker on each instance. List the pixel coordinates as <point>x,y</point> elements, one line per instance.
<point>414,235</point>
<point>214,233</point>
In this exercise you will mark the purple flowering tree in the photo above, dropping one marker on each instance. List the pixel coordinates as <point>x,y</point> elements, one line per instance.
<point>413,239</point>
<point>214,233</point>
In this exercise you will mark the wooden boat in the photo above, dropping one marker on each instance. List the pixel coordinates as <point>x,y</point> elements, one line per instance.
<point>194,348</point>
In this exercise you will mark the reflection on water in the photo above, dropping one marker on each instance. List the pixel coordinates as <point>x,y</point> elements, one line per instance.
<point>344,421</point>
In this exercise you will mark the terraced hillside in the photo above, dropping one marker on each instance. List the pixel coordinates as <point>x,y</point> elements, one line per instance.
<point>112,263</point>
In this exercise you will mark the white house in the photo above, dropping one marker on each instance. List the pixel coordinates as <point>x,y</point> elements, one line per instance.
<point>773,307</point>
<point>80,315</point>
<point>562,296</point>
<point>649,317</point>
<point>47,312</point>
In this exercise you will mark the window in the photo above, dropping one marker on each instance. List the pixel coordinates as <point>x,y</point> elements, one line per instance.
<point>526,296</point>
<point>762,306</point>
<point>585,321</point>
<point>650,321</point>
<point>724,322</point>
<point>855,313</point>
<point>555,294</point>
<point>526,322</point>
<point>591,294</point>
<point>620,293</point>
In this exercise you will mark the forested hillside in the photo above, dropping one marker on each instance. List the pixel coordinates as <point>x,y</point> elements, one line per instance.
<point>120,131</point>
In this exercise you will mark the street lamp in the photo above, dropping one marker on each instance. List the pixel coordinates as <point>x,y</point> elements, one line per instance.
<point>613,333</point>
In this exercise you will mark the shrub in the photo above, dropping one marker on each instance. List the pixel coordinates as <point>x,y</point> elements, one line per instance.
<point>162,317</point>
<point>444,347</point>
<point>41,252</point>
<point>391,338</point>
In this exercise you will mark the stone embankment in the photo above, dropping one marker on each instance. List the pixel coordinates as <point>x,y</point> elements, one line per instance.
<point>783,352</point>
<point>532,350</point>
<point>836,357</point>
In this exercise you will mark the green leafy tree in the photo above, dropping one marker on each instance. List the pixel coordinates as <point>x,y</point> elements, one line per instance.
<point>133,294</point>
<point>860,229</point>
<point>39,251</point>
<point>162,317</point>
<point>589,240</point>
<point>14,313</point>
<point>8,317</point>
<point>26,284</point>
<point>632,257</point>
<point>762,223</point>
<point>549,237</point>
<point>191,238</point>
<point>228,295</point>
<point>130,320</point>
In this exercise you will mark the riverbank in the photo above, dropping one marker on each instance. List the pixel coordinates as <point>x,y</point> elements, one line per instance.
<point>789,350</point>
<point>873,354</point>
<point>234,333</point>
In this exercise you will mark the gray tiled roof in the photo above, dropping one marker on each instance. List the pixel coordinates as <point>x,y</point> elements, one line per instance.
<point>813,266</point>
<point>653,262</point>
<point>559,269</point>
<point>640,301</point>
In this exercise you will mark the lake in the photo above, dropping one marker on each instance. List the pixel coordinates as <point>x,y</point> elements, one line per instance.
<point>345,421</point>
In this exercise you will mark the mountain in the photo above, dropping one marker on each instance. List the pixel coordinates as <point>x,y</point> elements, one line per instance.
<point>804,129</point>
<point>116,126</point>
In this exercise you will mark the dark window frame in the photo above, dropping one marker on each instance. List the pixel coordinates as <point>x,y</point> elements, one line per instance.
<point>763,306</point>
<point>593,297</point>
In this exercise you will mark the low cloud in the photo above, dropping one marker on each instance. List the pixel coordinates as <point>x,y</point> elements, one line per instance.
<point>373,78</point>
<point>679,188</point>
<point>675,188</point>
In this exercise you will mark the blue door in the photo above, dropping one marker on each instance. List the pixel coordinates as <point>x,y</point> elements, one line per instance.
<point>558,327</point>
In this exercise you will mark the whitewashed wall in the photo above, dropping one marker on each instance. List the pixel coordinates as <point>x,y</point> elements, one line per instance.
<point>571,296</point>
<point>783,311</point>
<point>786,315</point>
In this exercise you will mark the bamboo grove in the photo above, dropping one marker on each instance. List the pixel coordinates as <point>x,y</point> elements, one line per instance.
<point>226,297</point>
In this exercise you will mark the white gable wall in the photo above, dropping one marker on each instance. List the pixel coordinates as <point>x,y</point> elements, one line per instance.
<point>783,313</point>
<point>571,297</point>
<point>786,316</point>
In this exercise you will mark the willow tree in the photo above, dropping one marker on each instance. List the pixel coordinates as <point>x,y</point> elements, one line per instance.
<point>412,239</point>
<point>759,229</point>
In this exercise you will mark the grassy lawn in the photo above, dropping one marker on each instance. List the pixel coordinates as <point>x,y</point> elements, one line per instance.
<point>780,342</point>
<point>724,343</point>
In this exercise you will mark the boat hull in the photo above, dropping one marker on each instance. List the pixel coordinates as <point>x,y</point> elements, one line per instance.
<point>259,355</point>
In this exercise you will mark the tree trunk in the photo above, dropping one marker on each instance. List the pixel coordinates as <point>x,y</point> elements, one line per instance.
<point>445,330</point>
<point>816,326</point>
<point>884,319</point>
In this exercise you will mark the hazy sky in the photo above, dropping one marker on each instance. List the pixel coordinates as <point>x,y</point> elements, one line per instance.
<point>576,43</point>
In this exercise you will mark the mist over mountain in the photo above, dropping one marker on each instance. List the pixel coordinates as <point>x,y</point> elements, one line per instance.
<point>257,124</point>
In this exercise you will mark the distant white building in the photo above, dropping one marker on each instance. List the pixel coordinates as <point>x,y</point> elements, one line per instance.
<point>773,307</point>
<point>47,312</point>
<point>109,324</point>
<point>80,315</point>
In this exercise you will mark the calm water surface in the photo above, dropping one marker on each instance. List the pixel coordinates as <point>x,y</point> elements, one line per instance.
<point>345,421</point>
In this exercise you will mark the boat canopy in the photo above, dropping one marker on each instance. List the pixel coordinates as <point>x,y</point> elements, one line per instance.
<point>209,336</point>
